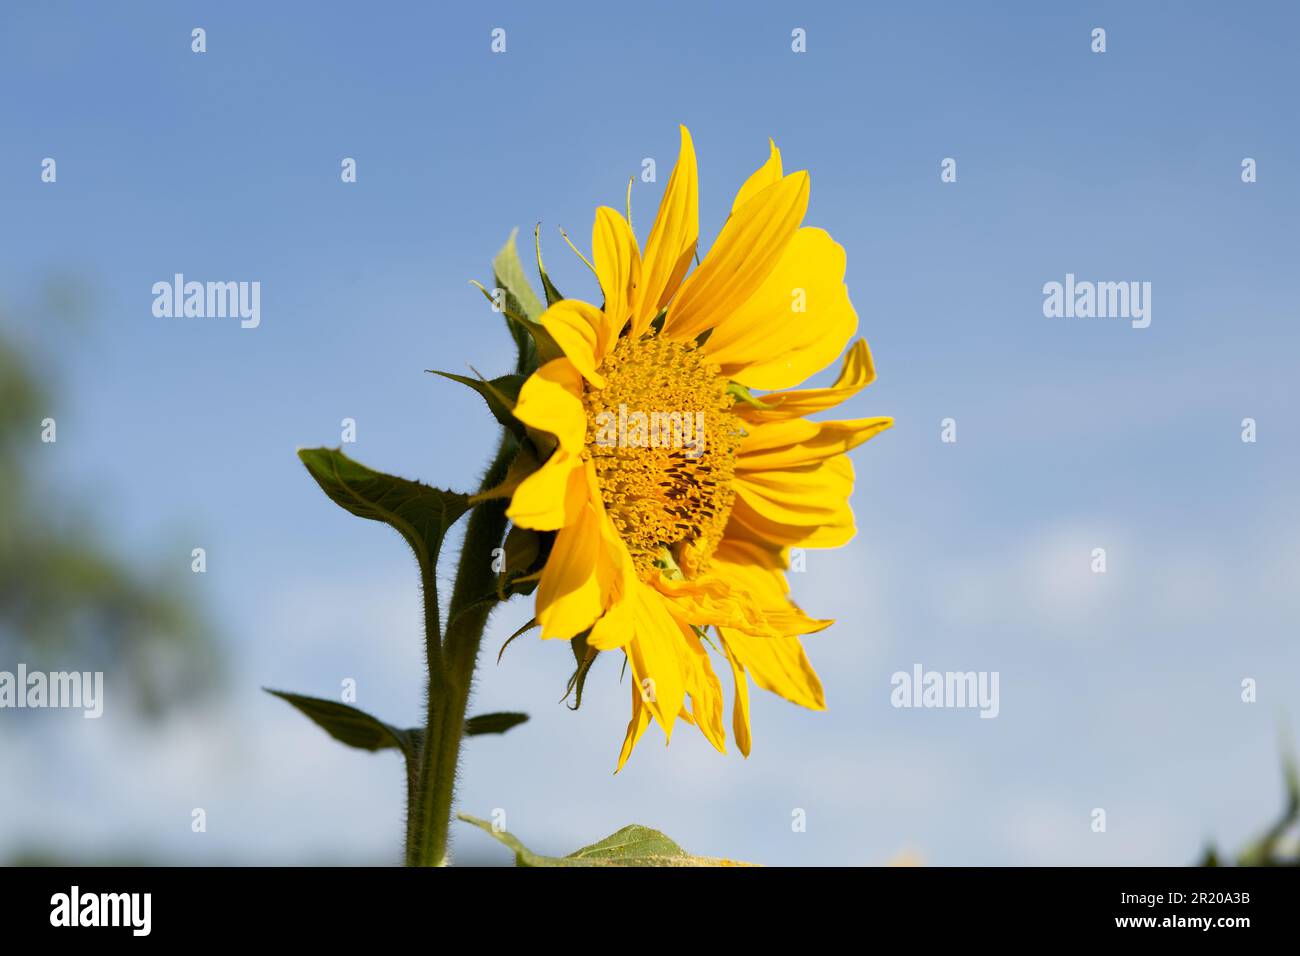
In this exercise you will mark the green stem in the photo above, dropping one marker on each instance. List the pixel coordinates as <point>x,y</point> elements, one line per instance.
<point>452,658</point>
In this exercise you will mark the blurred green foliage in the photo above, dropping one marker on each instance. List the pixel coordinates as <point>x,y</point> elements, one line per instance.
<point>69,601</point>
<point>1279,845</point>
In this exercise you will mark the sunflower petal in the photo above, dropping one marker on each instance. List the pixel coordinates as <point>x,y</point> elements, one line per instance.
<point>781,445</point>
<point>856,373</point>
<point>708,601</point>
<point>618,266</point>
<point>764,176</point>
<point>552,495</point>
<point>705,692</point>
<point>757,570</point>
<point>795,324</point>
<point>812,495</point>
<point>751,243</point>
<point>551,400</point>
<point>578,328</point>
<point>740,705</point>
<point>672,240</point>
<point>747,524</point>
<point>655,657</point>
<point>635,727</point>
<point>571,594</point>
<point>779,665</point>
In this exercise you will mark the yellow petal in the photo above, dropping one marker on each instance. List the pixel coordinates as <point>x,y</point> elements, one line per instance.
<point>672,240</point>
<point>748,525</point>
<point>551,400</point>
<point>616,627</point>
<point>779,665</point>
<point>856,373</point>
<point>784,444</point>
<point>635,727</point>
<point>764,176</point>
<point>573,587</point>
<point>618,266</point>
<point>655,656</point>
<point>797,365</point>
<point>811,495</point>
<point>551,497</point>
<point>708,601</point>
<point>705,692</point>
<point>757,570</point>
<point>748,248</point>
<point>764,436</point>
<point>579,330</point>
<point>740,706</point>
<point>795,324</point>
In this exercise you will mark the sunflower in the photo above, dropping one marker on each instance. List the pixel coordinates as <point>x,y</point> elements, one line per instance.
<point>674,490</point>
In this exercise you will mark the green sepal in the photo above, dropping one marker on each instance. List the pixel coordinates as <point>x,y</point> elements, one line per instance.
<point>553,294</point>
<point>524,558</point>
<point>743,395</point>
<point>500,393</point>
<point>584,656</point>
<point>511,639</point>
<point>522,309</point>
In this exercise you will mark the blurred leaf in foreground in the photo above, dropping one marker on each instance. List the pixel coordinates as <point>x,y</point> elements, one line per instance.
<point>631,846</point>
<point>1280,843</point>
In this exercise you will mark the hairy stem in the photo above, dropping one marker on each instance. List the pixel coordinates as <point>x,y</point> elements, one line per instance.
<point>452,658</point>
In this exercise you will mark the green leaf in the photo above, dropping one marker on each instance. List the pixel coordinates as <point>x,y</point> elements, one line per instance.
<point>631,846</point>
<point>552,294</point>
<point>493,723</point>
<point>419,513</point>
<point>347,724</point>
<point>500,393</point>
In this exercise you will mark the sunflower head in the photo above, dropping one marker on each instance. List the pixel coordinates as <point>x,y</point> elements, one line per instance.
<point>662,495</point>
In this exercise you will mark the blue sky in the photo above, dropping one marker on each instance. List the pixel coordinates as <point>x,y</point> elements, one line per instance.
<point>1118,691</point>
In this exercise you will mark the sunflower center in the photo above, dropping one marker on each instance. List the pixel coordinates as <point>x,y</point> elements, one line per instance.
<point>663,438</point>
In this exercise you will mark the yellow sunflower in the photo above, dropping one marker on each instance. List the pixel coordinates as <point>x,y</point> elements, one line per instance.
<point>662,533</point>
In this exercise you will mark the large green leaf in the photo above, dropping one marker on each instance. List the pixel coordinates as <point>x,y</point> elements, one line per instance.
<point>421,514</point>
<point>631,846</point>
<point>356,728</point>
<point>347,724</point>
<point>493,723</point>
